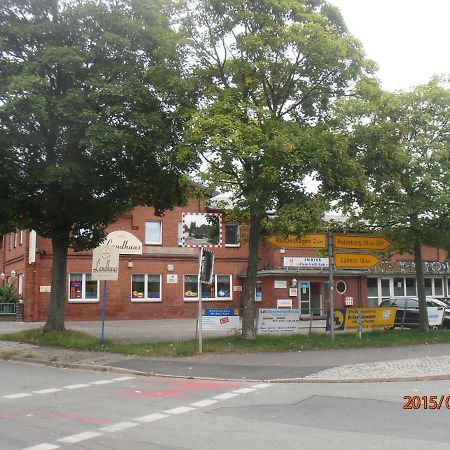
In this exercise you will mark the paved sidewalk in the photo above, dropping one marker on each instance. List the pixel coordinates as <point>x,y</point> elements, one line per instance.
<point>419,362</point>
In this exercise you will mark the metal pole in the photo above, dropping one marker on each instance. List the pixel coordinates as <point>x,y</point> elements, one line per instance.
<point>199,312</point>
<point>102,337</point>
<point>199,318</point>
<point>330,280</point>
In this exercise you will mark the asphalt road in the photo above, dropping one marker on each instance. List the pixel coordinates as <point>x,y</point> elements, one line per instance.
<point>44,408</point>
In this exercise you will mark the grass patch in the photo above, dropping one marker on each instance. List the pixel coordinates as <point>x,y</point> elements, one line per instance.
<point>77,340</point>
<point>9,354</point>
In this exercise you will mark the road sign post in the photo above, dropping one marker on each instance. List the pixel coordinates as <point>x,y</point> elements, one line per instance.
<point>105,266</point>
<point>330,280</point>
<point>205,276</point>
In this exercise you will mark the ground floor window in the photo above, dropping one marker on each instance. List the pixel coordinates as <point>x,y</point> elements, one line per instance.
<point>219,289</point>
<point>258,291</point>
<point>82,288</point>
<point>146,287</point>
<point>382,288</point>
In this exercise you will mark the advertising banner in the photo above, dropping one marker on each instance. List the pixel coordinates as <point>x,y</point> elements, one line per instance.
<point>220,319</point>
<point>278,321</point>
<point>350,318</point>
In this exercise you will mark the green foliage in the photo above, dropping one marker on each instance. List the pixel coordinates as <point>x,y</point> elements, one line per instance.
<point>9,294</point>
<point>76,340</point>
<point>91,107</point>
<point>267,74</point>
<point>403,141</point>
<point>86,126</point>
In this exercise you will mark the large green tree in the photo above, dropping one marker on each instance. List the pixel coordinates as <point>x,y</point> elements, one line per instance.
<point>89,95</point>
<point>402,140</point>
<point>268,72</point>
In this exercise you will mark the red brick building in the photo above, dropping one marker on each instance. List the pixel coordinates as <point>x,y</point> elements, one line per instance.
<point>162,281</point>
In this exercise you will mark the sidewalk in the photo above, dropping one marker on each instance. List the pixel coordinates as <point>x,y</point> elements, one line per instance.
<point>422,362</point>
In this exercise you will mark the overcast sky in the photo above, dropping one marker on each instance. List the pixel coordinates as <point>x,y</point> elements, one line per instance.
<point>409,39</point>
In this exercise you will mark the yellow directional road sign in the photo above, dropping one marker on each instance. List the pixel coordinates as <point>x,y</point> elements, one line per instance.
<point>355,260</point>
<point>360,242</point>
<point>304,241</point>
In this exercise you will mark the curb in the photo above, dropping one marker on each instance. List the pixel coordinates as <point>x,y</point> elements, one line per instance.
<point>102,368</point>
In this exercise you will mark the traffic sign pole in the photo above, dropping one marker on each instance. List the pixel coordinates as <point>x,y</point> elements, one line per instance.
<point>102,336</point>
<point>330,263</point>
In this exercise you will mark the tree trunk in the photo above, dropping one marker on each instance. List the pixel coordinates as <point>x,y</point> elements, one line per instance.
<point>248,316</point>
<point>423,313</point>
<point>55,316</point>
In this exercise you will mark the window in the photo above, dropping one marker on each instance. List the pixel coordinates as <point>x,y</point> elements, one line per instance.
<point>232,235</point>
<point>180,233</point>
<point>153,233</point>
<point>82,288</point>
<point>146,287</point>
<point>372,287</point>
<point>20,285</point>
<point>385,288</point>
<point>341,287</point>
<point>220,288</point>
<point>190,286</point>
<point>21,237</point>
<point>410,286</point>
<point>258,291</point>
<point>399,286</point>
<point>438,287</point>
<point>434,287</point>
<point>428,288</point>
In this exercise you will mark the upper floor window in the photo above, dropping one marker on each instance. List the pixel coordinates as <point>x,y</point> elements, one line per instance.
<point>153,233</point>
<point>180,233</point>
<point>232,235</point>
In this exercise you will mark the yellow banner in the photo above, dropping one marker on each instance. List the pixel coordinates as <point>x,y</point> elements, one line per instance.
<point>371,317</point>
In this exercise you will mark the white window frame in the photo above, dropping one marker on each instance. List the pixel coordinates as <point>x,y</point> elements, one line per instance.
<point>433,287</point>
<point>146,298</point>
<point>180,234</point>
<point>341,292</point>
<point>260,289</point>
<point>147,242</point>
<point>238,235</point>
<point>83,298</point>
<point>214,299</point>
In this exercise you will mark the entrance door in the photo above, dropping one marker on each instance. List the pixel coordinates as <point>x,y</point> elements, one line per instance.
<point>304,297</point>
<point>316,299</point>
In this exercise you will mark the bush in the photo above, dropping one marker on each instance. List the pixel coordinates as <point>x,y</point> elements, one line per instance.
<point>8,294</point>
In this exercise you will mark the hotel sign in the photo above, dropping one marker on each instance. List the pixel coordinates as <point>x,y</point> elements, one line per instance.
<point>105,263</point>
<point>125,242</point>
<point>305,262</point>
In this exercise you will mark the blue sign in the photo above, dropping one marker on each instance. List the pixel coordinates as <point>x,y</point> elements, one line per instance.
<point>339,319</point>
<point>220,312</point>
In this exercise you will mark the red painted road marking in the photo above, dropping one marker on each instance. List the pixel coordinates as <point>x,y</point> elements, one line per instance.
<point>181,389</point>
